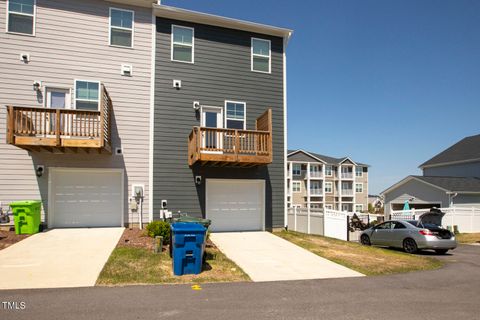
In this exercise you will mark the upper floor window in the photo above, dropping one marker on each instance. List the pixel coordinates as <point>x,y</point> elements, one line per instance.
<point>358,171</point>
<point>296,186</point>
<point>260,55</point>
<point>297,169</point>
<point>359,187</point>
<point>121,27</point>
<point>328,171</point>
<point>359,207</point>
<point>328,187</point>
<point>235,115</point>
<point>182,44</point>
<point>87,96</point>
<point>21,16</point>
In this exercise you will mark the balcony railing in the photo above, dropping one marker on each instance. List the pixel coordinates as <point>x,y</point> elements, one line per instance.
<point>218,146</point>
<point>347,192</point>
<point>56,130</point>
<point>347,175</point>
<point>315,192</point>
<point>316,174</point>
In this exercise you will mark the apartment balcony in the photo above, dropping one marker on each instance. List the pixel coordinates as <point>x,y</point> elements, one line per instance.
<point>316,193</point>
<point>347,175</point>
<point>316,175</point>
<point>223,147</point>
<point>347,192</point>
<point>59,130</point>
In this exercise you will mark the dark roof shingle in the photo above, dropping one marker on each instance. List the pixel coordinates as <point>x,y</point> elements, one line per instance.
<point>464,150</point>
<point>453,184</point>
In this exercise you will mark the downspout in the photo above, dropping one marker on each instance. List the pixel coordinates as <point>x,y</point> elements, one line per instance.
<point>452,195</point>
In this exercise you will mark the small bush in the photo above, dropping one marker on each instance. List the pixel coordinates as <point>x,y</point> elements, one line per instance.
<point>159,228</point>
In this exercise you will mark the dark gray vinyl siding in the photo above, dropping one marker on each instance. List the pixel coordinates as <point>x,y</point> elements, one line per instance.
<point>221,72</point>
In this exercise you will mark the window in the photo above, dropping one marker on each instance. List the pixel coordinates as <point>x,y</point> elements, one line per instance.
<point>328,187</point>
<point>87,95</point>
<point>358,171</point>
<point>315,188</point>
<point>399,225</point>
<point>182,44</point>
<point>329,206</point>
<point>296,186</point>
<point>235,115</point>
<point>121,27</point>
<point>358,207</point>
<point>359,187</point>
<point>297,169</point>
<point>260,55</point>
<point>328,171</point>
<point>21,16</point>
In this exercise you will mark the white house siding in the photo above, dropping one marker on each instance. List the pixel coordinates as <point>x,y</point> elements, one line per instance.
<point>71,42</point>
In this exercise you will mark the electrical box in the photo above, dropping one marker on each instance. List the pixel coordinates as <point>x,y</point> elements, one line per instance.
<point>137,191</point>
<point>127,70</point>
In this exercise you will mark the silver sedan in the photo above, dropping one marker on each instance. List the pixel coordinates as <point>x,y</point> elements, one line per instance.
<point>410,235</point>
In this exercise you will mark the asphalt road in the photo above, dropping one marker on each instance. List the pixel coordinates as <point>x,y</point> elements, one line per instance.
<point>450,293</point>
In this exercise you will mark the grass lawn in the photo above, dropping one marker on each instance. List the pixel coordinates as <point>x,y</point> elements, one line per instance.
<point>137,265</point>
<point>364,259</point>
<point>468,237</point>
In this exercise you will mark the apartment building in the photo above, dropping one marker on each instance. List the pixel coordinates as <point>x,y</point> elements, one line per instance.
<point>316,181</point>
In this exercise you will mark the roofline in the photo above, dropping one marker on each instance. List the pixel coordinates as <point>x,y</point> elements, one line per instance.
<point>407,179</point>
<point>138,3</point>
<point>308,154</point>
<point>440,164</point>
<point>464,192</point>
<point>347,158</point>
<point>214,20</point>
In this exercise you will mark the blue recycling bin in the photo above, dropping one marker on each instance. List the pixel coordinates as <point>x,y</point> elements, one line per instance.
<point>188,241</point>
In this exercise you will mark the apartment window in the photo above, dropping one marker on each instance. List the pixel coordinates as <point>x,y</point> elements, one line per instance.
<point>21,16</point>
<point>235,115</point>
<point>358,207</point>
<point>260,55</point>
<point>297,169</point>
<point>328,171</point>
<point>328,187</point>
<point>121,27</point>
<point>87,95</point>
<point>315,206</point>
<point>329,206</point>
<point>358,171</point>
<point>296,186</point>
<point>182,44</point>
<point>315,187</point>
<point>359,187</point>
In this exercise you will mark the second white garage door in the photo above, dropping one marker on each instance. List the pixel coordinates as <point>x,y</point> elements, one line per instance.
<point>235,205</point>
<point>85,198</point>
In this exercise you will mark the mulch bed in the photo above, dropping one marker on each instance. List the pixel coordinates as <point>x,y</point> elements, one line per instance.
<point>7,238</point>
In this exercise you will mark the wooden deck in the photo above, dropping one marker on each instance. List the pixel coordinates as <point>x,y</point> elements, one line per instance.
<point>59,130</point>
<point>231,147</point>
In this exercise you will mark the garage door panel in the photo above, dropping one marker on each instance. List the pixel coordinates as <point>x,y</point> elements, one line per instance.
<point>235,205</point>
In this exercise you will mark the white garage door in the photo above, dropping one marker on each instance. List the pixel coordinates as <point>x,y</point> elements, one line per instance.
<point>85,198</point>
<point>235,205</point>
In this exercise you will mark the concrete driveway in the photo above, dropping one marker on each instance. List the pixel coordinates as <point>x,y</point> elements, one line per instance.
<point>58,258</point>
<point>266,257</point>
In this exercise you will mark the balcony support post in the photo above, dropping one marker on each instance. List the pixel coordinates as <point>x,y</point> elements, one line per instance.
<point>11,125</point>
<point>57,127</point>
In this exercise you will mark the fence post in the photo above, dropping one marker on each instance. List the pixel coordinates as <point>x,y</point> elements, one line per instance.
<point>295,218</point>
<point>413,213</point>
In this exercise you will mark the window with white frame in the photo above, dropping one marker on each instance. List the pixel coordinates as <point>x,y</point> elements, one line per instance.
<point>121,27</point>
<point>315,206</point>
<point>87,95</point>
<point>358,207</point>
<point>297,169</point>
<point>358,171</point>
<point>328,171</point>
<point>235,115</point>
<point>315,188</point>
<point>296,186</point>
<point>261,55</point>
<point>329,206</point>
<point>328,187</point>
<point>182,44</point>
<point>21,16</point>
<point>359,187</point>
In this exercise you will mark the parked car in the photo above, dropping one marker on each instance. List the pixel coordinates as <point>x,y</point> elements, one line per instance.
<point>413,235</point>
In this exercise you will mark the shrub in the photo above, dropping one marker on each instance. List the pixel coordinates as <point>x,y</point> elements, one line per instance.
<point>159,228</point>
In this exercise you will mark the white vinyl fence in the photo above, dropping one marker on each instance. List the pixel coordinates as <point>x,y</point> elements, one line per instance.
<point>467,220</point>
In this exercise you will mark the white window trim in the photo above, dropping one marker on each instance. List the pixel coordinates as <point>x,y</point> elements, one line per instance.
<point>327,170</point>
<point>358,184</point>
<point>75,92</point>
<point>329,206</point>
<point>329,183</point>
<point>300,171</point>
<point>361,172</point>
<point>359,205</point>
<point>120,28</point>
<point>7,9</point>
<point>225,118</point>
<point>193,44</point>
<point>300,189</point>
<point>261,55</point>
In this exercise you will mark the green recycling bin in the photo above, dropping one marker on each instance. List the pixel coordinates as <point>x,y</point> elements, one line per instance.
<point>26,216</point>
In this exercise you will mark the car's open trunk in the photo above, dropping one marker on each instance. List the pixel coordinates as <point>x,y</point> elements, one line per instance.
<point>433,221</point>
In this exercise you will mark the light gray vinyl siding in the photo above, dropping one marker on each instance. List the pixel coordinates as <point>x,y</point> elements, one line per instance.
<point>467,200</point>
<point>471,169</point>
<point>221,71</point>
<point>71,42</point>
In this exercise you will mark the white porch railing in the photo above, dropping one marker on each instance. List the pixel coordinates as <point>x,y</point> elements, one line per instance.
<point>347,175</point>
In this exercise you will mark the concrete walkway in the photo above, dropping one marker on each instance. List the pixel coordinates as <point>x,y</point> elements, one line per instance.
<point>266,257</point>
<point>58,258</point>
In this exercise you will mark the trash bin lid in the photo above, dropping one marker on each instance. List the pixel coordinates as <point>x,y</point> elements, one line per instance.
<point>24,203</point>
<point>187,227</point>
<point>205,222</point>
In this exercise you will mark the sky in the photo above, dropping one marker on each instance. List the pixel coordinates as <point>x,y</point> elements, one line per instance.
<point>388,83</point>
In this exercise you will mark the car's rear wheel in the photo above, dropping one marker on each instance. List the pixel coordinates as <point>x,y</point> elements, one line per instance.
<point>410,246</point>
<point>365,240</point>
<point>441,251</point>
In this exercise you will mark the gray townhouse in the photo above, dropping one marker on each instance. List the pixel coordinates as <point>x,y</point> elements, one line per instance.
<point>451,178</point>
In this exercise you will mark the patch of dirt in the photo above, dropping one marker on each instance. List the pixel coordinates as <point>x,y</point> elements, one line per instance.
<point>133,237</point>
<point>7,238</point>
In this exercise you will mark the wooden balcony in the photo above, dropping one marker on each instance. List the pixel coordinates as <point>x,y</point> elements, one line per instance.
<point>59,130</point>
<point>222,147</point>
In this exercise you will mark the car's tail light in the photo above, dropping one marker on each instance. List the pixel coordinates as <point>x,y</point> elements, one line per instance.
<point>426,232</point>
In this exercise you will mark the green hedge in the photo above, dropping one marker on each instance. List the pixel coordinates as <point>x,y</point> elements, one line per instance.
<point>159,228</point>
